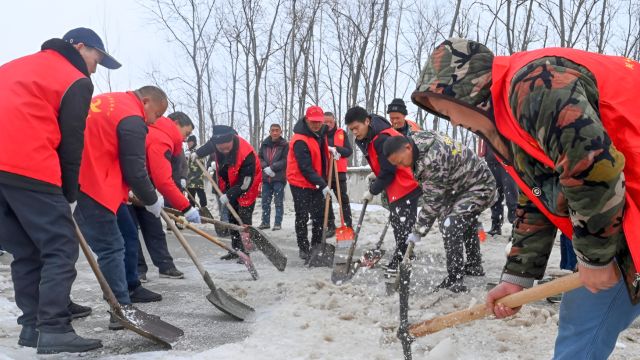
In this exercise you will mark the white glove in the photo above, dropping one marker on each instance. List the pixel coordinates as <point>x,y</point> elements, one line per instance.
<point>367,196</point>
<point>193,215</point>
<point>327,191</point>
<point>224,200</point>
<point>414,238</point>
<point>269,171</point>
<point>193,156</point>
<point>156,207</point>
<point>183,183</point>
<point>371,177</point>
<point>73,206</point>
<point>334,152</point>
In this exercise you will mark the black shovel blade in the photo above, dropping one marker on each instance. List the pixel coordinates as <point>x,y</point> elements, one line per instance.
<point>341,273</point>
<point>204,211</point>
<point>269,249</point>
<point>227,303</point>
<point>149,326</point>
<point>322,256</point>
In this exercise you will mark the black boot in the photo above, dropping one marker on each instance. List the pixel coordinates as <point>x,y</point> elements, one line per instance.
<point>53,343</point>
<point>229,256</point>
<point>473,270</point>
<point>454,285</point>
<point>496,229</point>
<point>28,336</point>
<point>142,295</point>
<point>303,254</point>
<point>78,311</point>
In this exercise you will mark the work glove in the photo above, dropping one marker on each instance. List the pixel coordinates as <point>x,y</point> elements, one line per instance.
<point>193,156</point>
<point>414,238</point>
<point>269,172</point>
<point>156,207</point>
<point>327,192</point>
<point>224,200</point>
<point>334,152</point>
<point>72,206</point>
<point>371,177</point>
<point>183,183</point>
<point>367,196</point>
<point>192,215</point>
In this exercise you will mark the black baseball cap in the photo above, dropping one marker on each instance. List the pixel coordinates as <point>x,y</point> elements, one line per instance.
<point>89,38</point>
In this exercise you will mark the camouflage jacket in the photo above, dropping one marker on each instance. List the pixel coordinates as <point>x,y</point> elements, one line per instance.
<point>453,179</point>
<point>555,101</point>
<point>196,178</point>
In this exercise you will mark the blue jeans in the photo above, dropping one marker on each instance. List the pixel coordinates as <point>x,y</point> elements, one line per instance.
<point>270,190</point>
<point>129,232</point>
<point>568,260</point>
<point>590,323</point>
<point>100,227</point>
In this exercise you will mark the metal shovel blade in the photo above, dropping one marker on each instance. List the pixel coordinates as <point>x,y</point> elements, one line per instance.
<point>322,256</point>
<point>225,302</point>
<point>371,257</point>
<point>246,260</point>
<point>149,326</point>
<point>341,273</point>
<point>269,249</point>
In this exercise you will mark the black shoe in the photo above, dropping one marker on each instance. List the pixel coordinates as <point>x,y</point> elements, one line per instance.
<point>453,285</point>
<point>114,323</point>
<point>28,336</point>
<point>172,274</point>
<point>230,256</point>
<point>303,254</point>
<point>473,270</point>
<point>393,264</point>
<point>143,278</point>
<point>78,311</point>
<point>53,343</point>
<point>276,227</point>
<point>331,232</point>
<point>496,229</point>
<point>142,295</point>
<point>263,226</point>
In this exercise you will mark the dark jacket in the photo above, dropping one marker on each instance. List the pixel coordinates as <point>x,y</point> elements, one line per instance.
<point>303,156</point>
<point>274,154</point>
<point>344,151</point>
<point>387,170</point>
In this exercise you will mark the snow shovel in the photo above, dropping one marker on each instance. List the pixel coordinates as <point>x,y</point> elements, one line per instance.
<point>136,320</point>
<point>344,234</point>
<point>342,270</point>
<point>218,297</point>
<point>322,255</point>
<point>258,237</point>
<point>246,260</point>
<point>371,257</point>
<point>404,280</point>
<point>536,293</point>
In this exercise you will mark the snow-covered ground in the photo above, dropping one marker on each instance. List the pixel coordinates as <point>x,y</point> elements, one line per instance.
<point>300,314</point>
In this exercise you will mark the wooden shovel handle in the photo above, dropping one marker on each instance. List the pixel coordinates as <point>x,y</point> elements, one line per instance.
<point>327,203</point>
<point>557,286</point>
<point>218,191</point>
<point>337,173</point>
<point>183,242</point>
<point>202,233</point>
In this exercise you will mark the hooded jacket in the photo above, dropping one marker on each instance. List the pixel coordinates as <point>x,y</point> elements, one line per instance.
<point>555,102</point>
<point>274,155</point>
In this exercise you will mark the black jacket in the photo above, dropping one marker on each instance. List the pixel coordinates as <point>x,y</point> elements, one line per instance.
<point>303,156</point>
<point>132,134</point>
<point>387,170</point>
<point>344,151</point>
<point>274,154</point>
<point>72,117</point>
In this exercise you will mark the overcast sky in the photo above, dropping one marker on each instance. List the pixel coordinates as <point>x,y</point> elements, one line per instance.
<point>132,38</point>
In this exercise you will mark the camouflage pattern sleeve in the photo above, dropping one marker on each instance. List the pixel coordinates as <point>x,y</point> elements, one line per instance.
<point>556,101</point>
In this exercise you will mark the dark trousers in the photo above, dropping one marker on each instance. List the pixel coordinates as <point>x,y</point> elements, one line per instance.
<point>460,235</point>
<point>308,202</point>
<point>402,215</point>
<point>100,227</point>
<point>273,190</point>
<point>37,229</point>
<point>154,239</point>
<point>202,196</point>
<point>346,204</point>
<point>246,215</point>
<point>129,232</point>
<point>568,259</point>
<point>507,191</point>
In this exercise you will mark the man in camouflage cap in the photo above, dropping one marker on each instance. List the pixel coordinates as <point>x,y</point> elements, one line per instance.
<point>565,125</point>
<point>195,180</point>
<point>457,186</point>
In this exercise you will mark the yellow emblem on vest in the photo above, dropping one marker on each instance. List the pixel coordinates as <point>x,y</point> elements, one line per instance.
<point>95,105</point>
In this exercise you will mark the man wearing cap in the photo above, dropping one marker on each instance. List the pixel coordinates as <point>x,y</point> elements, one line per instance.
<point>340,148</point>
<point>195,179</point>
<point>307,166</point>
<point>46,96</point>
<point>239,176</point>
<point>565,124</point>
<point>113,162</point>
<point>401,189</point>
<point>397,111</point>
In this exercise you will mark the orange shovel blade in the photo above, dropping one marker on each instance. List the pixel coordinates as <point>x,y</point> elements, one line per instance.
<point>344,236</point>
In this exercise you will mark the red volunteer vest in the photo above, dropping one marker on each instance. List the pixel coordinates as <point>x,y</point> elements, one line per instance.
<point>403,183</point>
<point>244,149</point>
<point>617,79</point>
<point>31,90</point>
<point>100,173</point>
<point>338,140</point>
<point>294,175</point>
<point>413,125</point>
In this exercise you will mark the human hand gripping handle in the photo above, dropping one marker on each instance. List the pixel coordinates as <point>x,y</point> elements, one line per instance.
<point>414,238</point>
<point>598,278</point>
<point>193,215</point>
<point>156,208</point>
<point>269,171</point>
<point>327,192</point>
<point>503,289</point>
<point>367,196</point>
<point>334,152</point>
